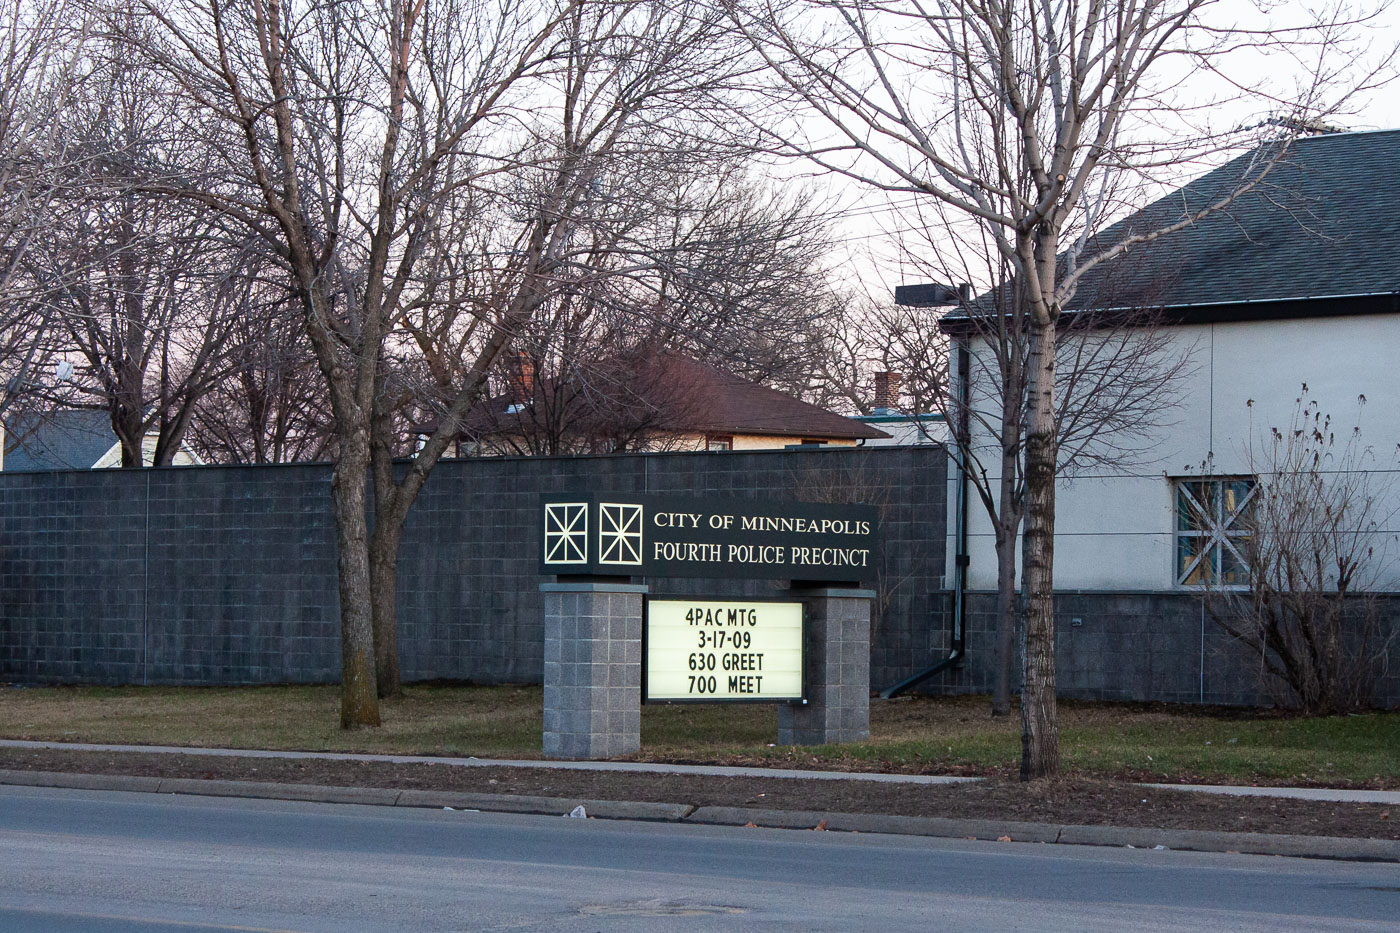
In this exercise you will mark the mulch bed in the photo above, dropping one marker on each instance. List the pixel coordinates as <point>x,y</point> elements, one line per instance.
<point>1070,800</point>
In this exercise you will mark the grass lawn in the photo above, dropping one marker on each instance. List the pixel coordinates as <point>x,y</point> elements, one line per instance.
<point>945,735</point>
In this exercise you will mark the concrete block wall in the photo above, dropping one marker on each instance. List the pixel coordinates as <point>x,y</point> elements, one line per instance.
<point>209,575</point>
<point>242,584</point>
<point>469,605</point>
<point>1137,647</point>
<point>592,670</point>
<point>73,578</point>
<point>214,575</point>
<point>837,670</point>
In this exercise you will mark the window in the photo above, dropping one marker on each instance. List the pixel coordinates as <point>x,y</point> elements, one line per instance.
<point>719,442</point>
<point>1212,527</point>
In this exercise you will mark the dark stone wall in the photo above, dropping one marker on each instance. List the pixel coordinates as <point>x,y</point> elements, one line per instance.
<point>72,577</point>
<point>207,575</point>
<point>194,575</point>
<point>216,575</point>
<point>1138,646</point>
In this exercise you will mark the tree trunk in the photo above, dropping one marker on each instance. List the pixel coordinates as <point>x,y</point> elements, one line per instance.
<point>384,579</point>
<point>1010,507</point>
<point>1007,527</point>
<point>168,443</point>
<point>131,455</point>
<point>131,437</point>
<point>359,703</point>
<point>384,550</point>
<point>1040,736</point>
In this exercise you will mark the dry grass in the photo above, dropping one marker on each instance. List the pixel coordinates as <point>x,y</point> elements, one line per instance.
<point>946,735</point>
<point>485,721</point>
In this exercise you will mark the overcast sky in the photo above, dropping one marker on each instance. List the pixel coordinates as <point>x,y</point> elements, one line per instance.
<point>870,256</point>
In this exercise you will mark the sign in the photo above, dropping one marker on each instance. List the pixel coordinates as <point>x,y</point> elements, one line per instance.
<point>670,536</point>
<point>719,650</point>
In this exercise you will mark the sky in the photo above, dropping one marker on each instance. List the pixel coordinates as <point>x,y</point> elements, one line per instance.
<point>869,254</point>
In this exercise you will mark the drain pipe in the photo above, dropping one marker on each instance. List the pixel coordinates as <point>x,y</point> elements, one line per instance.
<point>961,558</point>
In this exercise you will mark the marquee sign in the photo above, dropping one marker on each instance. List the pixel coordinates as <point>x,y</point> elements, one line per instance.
<point>670,536</point>
<point>711,650</point>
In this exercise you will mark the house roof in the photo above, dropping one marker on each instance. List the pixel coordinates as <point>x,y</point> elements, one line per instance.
<point>685,396</point>
<point>1323,223</point>
<point>732,405</point>
<point>1319,235</point>
<point>68,439</point>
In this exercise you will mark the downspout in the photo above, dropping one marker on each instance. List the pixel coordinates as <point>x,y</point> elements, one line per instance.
<point>961,558</point>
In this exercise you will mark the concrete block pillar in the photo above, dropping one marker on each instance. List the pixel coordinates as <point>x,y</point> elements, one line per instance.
<point>837,670</point>
<point>592,669</point>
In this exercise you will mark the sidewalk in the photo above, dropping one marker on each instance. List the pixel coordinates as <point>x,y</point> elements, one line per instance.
<point>635,767</point>
<point>1295,846</point>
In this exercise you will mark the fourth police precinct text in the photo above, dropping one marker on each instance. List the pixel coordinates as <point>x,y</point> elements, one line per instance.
<point>777,554</point>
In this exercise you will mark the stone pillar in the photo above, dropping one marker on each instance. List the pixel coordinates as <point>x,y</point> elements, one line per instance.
<point>838,670</point>
<point>592,669</point>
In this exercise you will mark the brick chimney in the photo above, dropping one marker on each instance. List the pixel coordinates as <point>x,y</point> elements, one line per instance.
<point>522,379</point>
<point>887,393</point>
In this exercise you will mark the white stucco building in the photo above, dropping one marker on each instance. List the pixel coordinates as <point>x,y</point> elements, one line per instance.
<point>1296,285</point>
<point>1288,298</point>
<point>1119,529</point>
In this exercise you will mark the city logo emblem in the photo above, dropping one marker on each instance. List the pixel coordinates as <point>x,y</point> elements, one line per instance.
<point>566,533</point>
<point>619,534</point>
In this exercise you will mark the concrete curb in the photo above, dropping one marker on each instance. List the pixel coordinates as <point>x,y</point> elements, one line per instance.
<point>83,781</point>
<point>1328,847</point>
<point>548,806</point>
<point>878,823</point>
<point>369,796</point>
<point>316,793</point>
<point>1323,847</point>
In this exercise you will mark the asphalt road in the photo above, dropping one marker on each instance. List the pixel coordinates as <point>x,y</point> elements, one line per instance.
<point>86,861</point>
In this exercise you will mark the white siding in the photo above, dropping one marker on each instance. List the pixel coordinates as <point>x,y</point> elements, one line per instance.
<point>1116,532</point>
<point>907,432</point>
<point>113,457</point>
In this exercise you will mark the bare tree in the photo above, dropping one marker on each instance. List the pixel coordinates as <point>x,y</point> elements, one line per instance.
<point>270,406</point>
<point>1294,573</point>
<point>614,400</point>
<point>1118,382</point>
<point>143,288</point>
<point>851,341</point>
<point>712,265</point>
<point>44,60</point>
<point>1034,123</point>
<point>738,277</point>
<point>718,270</point>
<point>453,156</point>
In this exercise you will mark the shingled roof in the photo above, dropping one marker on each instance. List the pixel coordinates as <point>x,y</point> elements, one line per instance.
<point>69,439</point>
<point>676,394</point>
<point>732,405</point>
<point>1324,223</point>
<point>1319,235</point>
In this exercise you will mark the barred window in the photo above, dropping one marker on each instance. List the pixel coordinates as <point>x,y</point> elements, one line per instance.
<point>1212,529</point>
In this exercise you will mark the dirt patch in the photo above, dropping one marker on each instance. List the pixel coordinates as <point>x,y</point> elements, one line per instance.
<point>1070,800</point>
